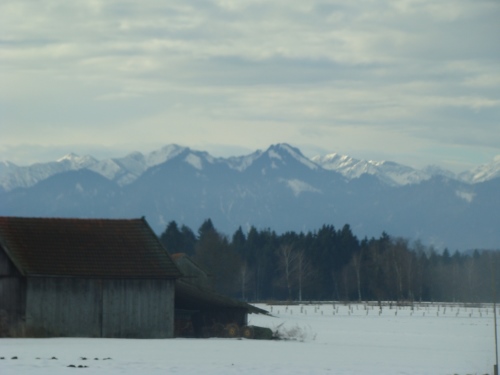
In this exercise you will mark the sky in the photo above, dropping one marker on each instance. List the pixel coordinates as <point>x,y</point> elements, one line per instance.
<point>411,81</point>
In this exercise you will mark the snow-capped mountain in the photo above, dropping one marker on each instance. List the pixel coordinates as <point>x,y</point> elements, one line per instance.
<point>391,173</point>
<point>435,170</point>
<point>278,188</point>
<point>483,173</point>
<point>122,170</point>
<point>125,170</point>
<point>277,154</point>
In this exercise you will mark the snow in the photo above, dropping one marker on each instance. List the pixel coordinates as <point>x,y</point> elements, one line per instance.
<point>165,153</point>
<point>465,195</point>
<point>299,186</point>
<point>435,170</point>
<point>391,173</point>
<point>125,170</point>
<point>194,161</point>
<point>483,173</point>
<point>334,339</point>
<point>274,155</point>
<point>243,162</point>
<point>107,168</point>
<point>295,153</point>
<point>334,161</point>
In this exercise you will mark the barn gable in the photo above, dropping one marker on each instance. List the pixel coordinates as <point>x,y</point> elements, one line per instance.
<point>87,277</point>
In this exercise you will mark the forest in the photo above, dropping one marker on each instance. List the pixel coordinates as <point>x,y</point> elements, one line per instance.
<point>333,264</point>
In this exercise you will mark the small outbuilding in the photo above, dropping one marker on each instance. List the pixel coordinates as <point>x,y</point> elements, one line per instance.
<point>87,277</point>
<point>202,312</point>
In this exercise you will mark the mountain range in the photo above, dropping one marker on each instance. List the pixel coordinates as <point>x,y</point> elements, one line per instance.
<point>278,188</point>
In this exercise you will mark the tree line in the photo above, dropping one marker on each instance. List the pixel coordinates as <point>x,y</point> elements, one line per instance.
<point>333,264</point>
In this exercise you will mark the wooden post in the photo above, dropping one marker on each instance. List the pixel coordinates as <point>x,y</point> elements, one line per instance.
<point>493,280</point>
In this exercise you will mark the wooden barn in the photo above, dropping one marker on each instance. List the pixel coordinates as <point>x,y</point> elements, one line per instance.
<point>87,277</point>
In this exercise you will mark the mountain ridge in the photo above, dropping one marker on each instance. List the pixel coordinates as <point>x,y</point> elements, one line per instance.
<point>278,188</point>
<point>124,170</point>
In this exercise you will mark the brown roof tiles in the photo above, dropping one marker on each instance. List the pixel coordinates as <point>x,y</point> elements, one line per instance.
<point>115,248</point>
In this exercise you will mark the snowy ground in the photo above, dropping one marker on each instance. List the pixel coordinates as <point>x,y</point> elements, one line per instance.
<point>334,339</point>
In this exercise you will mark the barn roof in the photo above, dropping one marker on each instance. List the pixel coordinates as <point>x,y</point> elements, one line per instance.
<point>189,296</point>
<point>114,248</point>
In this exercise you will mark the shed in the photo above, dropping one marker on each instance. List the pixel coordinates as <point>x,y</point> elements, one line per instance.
<point>192,272</point>
<point>199,310</point>
<point>87,277</point>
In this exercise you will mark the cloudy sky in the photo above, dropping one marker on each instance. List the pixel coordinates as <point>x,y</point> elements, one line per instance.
<point>413,81</point>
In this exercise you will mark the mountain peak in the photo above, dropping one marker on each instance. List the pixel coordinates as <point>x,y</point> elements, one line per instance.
<point>78,162</point>
<point>390,172</point>
<point>164,154</point>
<point>283,151</point>
<point>70,157</point>
<point>334,161</point>
<point>483,172</point>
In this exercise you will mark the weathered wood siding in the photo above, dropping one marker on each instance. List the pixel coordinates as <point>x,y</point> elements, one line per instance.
<point>7,268</point>
<point>12,288</point>
<point>138,308</point>
<point>101,308</point>
<point>60,306</point>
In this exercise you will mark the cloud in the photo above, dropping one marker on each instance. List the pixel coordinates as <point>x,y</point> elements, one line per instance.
<point>414,72</point>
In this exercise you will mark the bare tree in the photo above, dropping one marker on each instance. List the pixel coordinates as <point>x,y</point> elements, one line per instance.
<point>287,262</point>
<point>335,285</point>
<point>420,259</point>
<point>356,262</point>
<point>304,270</point>
<point>399,251</point>
<point>409,272</point>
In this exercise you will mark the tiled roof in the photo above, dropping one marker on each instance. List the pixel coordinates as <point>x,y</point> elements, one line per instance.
<point>112,248</point>
<point>192,297</point>
<point>177,256</point>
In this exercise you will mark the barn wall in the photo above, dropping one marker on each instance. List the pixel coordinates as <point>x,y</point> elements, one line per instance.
<point>13,296</point>
<point>64,306</point>
<point>101,308</point>
<point>138,308</point>
<point>12,288</point>
<point>7,268</point>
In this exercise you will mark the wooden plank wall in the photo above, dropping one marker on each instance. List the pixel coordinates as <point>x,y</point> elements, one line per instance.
<point>60,306</point>
<point>138,308</point>
<point>12,288</point>
<point>101,308</point>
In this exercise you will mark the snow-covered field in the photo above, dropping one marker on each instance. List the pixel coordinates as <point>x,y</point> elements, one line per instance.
<point>333,339</point>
